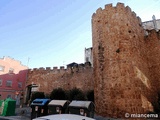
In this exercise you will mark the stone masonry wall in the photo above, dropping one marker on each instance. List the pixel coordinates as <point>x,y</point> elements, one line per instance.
<point>152,41</point>
<point>49,79</point>
<point>126,66</point>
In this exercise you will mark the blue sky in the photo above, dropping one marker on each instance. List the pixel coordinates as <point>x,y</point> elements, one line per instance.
<point>55,32</point>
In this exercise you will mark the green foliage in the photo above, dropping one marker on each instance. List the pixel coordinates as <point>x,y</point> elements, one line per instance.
<point>76,94</point>
<point>36,95</point>
<point>67,95</point>
<point>47,96</point>
<point>73,94</point>
<point>58,94</point>
<point>90,95</point>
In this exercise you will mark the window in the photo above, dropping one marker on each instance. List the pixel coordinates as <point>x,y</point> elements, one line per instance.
<point>19,84</point>
<point>1,68</point>
<point>9,83</point>
<point>11,70</point>
<point>0,82</point>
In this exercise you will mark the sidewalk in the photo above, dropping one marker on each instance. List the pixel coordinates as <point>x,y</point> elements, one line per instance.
<point>25,114</point>
<point>20,114</point>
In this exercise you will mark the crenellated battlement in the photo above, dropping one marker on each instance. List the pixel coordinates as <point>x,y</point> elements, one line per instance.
<point>99,10</point>
<point>120,7</point>
<point>108,6</point>
<point>61,69</point>
<point>75,75</point>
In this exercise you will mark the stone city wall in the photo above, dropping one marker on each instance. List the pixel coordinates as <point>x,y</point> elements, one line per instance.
<point>126,62</point>
<point>48,79</point>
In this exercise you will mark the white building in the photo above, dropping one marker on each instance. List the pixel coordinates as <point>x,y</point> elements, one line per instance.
<point>152,24</point>
<point>89,55</point>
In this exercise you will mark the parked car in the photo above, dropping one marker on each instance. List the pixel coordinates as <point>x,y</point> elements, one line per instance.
<point>64,117</point>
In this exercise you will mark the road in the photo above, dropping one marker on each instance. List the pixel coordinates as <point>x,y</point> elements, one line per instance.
<point>25,112</point>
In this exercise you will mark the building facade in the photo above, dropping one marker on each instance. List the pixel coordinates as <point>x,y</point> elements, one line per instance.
<point>152,24</point>
<point>12,77</point>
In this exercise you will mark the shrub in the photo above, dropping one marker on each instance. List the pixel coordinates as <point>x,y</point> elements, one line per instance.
<point>37,95</point>
<point>67,94</point>
<point>76,94</point>
<point>58,94</point>
<point>90,95</point>
<point>47,96</point>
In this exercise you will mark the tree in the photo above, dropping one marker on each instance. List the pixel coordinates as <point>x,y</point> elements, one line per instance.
<point>76,94</point>
<point>36,95</point>
<point>58,94</point>
<point>90,95</point>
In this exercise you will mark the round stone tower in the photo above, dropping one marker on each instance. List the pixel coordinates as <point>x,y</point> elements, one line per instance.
<point>120,67</point>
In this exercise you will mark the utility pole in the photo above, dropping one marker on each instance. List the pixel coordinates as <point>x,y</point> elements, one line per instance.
<point>28,61</point>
